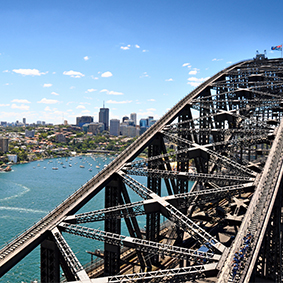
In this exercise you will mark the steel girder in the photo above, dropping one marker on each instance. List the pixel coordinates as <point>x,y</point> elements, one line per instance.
<point>235,136</point>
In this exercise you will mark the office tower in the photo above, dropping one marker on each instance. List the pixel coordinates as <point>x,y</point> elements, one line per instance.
<point>143,122</point>
<point>114,127</point>
<point>133,117</point>
<point>149,119</point>
<point>104,117</point>
<point>152,122</point>
<point>24,121</point>
<point>84,120</point>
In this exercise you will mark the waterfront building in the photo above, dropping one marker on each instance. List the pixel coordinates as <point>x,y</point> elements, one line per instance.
<point>83,120</point>
<point>13,158</point>
<point>4,144</point>
<point>104,117</point>
<point>114,127</point>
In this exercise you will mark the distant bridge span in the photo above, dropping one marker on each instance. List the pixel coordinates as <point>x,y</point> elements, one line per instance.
<point>228,228</point>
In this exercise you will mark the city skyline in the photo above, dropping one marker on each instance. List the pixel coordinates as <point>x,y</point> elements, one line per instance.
<point>61,60</point>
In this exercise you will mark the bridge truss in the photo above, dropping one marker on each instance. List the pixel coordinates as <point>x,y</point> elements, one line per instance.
<point>226,137</point>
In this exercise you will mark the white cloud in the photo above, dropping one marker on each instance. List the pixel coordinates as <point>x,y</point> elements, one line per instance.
<point>47,108</point>
<point>187,65</point>
<point>47,85</point>
<point>115,93</point>
<point>73,74</point>
<point>1,105</point>
<point>7,84</point>
<point>144,75</point>
<point>215,59</point>
<point>106,74</point>
<point>6,71</point>
<point>148,112</point>
<point>111,92</point>
<point>195,84</point>
<point>193,81</point>
<point>86,58</point>
<point>145,50</point>
<point>22,106</point>
<point>20,101</point>
<point>151,99</point>
<point>48,101</point>
<point>29,72</point>
<point>119,102</point>
<point>229,62</point>
<point>194,71</point>
<point>85,111</point>
<point>91,90</point>
<point>54,93</point>
<point>80,107</point>
<point>169,80</point>
<point>72,87</point>
<point>137,46</point>
<point>93,77</point>
<point>124,47</point>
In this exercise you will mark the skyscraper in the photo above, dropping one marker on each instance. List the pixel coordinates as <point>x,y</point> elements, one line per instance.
<point>104,117</point>
<point>114,127</point>
<point>133,117</point>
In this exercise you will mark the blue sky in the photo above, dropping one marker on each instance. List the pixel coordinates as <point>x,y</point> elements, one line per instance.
<point>62,59</point>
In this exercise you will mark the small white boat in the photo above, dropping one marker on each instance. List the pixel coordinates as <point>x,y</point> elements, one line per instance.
<point>54,168</point>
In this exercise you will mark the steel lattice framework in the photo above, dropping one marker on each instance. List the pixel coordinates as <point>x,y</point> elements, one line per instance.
<point>227,138</point>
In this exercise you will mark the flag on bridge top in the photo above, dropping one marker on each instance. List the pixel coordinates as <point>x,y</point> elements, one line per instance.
<point>278,47</point>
